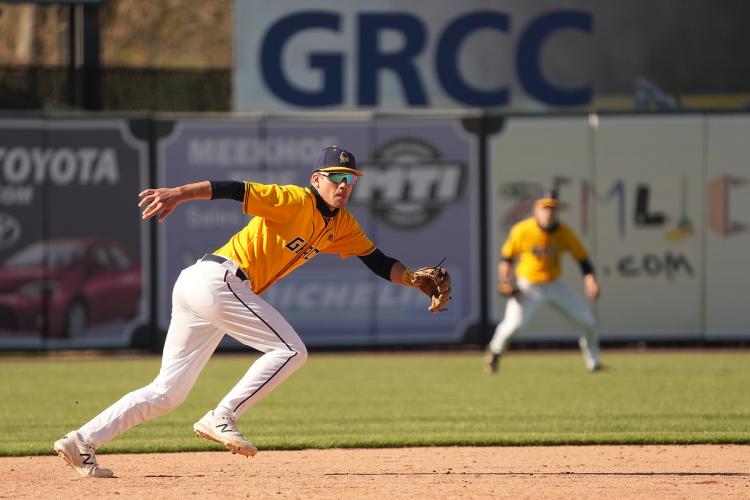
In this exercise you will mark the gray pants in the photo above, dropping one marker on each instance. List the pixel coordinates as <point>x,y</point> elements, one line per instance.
<point>519,310</point>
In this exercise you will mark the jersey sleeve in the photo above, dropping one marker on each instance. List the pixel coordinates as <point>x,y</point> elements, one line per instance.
<point>574,245</point>
<point>350,239</point>
<point>510,248</point>
<point>271,201</point>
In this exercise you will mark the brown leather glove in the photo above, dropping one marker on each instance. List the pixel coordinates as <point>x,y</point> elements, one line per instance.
<point>435,282</point>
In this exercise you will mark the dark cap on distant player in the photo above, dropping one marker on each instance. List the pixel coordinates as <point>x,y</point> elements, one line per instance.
<point>335,159</point>
<point>547,199</point>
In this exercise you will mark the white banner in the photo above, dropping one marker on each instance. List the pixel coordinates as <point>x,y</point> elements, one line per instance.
<point>528,156</point>
<point>632,188</point>
<point>648,204</point>
<point>728,232</point>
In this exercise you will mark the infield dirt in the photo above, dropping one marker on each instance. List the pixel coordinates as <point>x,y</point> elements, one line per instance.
<point>698,471</point>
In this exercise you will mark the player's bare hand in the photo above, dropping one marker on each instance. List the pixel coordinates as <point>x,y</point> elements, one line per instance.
<point>507,288</point>
<point>160,201</point>
<point>591,287</point>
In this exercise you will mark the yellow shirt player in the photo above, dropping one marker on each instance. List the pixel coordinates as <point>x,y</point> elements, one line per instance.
<point>221,294</point>
<point>536,246</point>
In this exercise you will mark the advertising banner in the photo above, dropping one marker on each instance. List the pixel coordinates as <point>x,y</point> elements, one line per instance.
<point>274,153</point>
<point>72,250</point>
<point>529,156</point>
<point>421,191</point>
<point>632,189</point>
<point>422,170</point>
<point>509,56</point>
<point>647,196</point>
<point>728,232</point>
<point>411,54</point>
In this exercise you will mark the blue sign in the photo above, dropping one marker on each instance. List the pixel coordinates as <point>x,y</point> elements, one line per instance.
<point>298,56</point>
<point>419,185</point>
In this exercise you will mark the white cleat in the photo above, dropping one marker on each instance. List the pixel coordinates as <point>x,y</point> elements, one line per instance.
<point>594,367</point>
<point>591,359</point>
<point>80,456</point>
<point>491,362</point>
<point>223,430</point>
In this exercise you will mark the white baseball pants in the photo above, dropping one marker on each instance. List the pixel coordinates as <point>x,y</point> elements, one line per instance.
<point>208,301</point>
<point>519,310</point>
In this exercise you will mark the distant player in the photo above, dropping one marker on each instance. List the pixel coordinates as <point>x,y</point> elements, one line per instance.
<point>221,294</point>
<point>536,246</point>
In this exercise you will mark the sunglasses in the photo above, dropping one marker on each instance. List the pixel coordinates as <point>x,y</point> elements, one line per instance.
<point>338,177</point>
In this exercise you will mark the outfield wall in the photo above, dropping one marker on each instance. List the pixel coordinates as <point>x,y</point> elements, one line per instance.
<point>661,201</point>
<point>69,185</point>
<point>335,301</point>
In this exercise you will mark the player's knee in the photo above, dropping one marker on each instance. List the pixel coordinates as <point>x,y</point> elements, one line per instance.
<point>587,322</point>
<point>507,330</point>
<point>173,400</point>
<point>294,349</point>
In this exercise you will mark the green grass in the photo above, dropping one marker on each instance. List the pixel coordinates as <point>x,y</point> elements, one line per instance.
<point>379,400</point>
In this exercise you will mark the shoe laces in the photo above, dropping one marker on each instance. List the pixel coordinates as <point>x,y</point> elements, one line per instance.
<point>231,423</point>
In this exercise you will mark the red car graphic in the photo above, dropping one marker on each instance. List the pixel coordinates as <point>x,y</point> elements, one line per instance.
<point>86,281</point>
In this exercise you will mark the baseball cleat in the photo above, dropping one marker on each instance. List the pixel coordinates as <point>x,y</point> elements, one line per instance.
<point>491,362</point>
<point>80,456</point>
<point>590,357</point>
<point>594,367</point>
<point>223,430</point>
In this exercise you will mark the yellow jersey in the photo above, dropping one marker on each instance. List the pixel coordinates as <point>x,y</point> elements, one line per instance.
<point>539,252</point>
<point>288,230</point>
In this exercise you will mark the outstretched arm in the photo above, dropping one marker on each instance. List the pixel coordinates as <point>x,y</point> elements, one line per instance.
<point>163,201</point>
<point>434,282</point>
<point>386,267</point>
<point>400,274</point>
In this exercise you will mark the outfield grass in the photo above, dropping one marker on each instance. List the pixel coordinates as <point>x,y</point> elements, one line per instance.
<point>374,400</point>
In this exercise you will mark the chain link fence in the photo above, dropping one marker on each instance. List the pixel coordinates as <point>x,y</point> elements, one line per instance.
<point>121,89</point>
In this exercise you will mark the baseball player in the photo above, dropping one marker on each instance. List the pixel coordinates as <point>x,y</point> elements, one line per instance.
<point>536,246</point>
<point>222,294</point>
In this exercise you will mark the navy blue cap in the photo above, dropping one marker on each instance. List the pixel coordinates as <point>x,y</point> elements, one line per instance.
<point>336,159</point>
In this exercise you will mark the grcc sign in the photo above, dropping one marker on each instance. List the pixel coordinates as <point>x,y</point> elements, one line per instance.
<point>370,59</point>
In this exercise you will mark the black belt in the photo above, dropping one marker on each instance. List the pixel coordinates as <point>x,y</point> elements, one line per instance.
<point>219,259</point>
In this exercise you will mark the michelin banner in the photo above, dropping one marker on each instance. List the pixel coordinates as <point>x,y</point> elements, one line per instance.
<point>72,250</point>
<point>420,182</point>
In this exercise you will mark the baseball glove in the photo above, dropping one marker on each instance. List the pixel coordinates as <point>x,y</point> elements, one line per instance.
<point>435,282</point>
<point>507,288</point>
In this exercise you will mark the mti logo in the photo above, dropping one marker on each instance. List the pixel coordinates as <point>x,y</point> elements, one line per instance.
<point>408,183</point>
